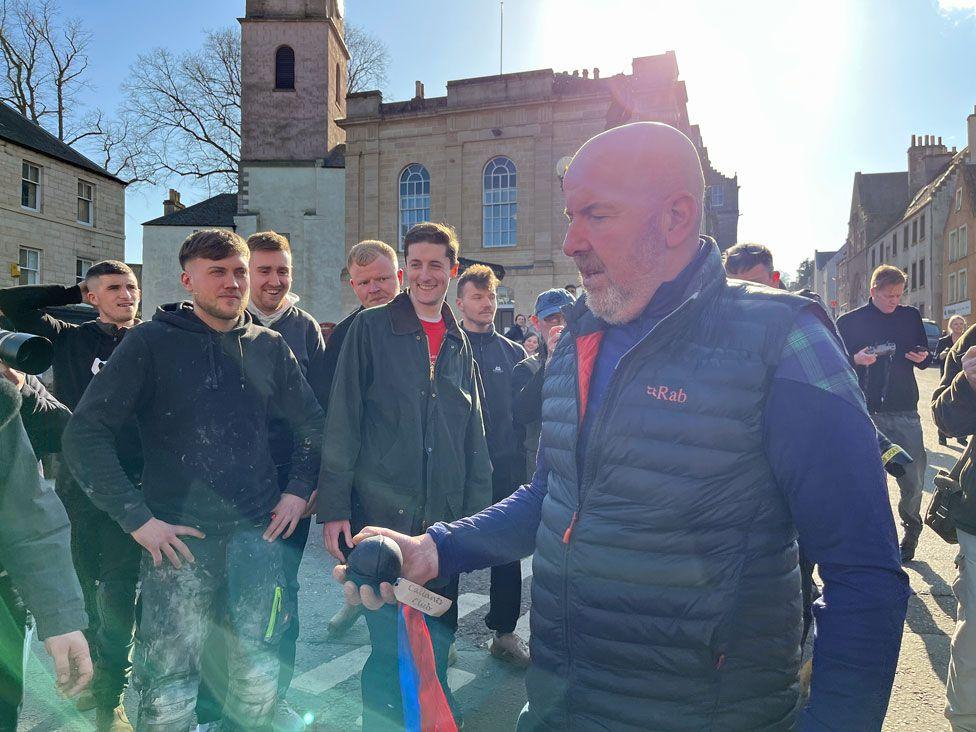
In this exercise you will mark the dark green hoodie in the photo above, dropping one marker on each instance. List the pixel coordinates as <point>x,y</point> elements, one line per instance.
<point>203,400</point>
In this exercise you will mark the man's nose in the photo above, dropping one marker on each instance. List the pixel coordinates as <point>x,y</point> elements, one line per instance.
<point>575,241</point>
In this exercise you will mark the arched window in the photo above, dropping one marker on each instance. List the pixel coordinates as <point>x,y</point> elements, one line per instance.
<point>285,68</point>
<point>338,87</point>
<point>500,206</point>
<point>414,197</point>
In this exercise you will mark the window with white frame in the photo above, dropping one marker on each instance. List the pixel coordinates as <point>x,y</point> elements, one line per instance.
<point>414,197</point>
<point>30,266</point>
<point>499,204</point>
<point>963,241</point>
<point>951,288</point>
<point>959,198</point>
<point>81,269</point>
<point>86,203</point>
<point>716,197</point>
<point>962,286</point>
<point>954,245</point>
<point>30,186</point>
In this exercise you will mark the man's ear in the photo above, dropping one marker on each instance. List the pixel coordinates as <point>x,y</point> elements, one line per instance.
<point>776,277</point>
<point>535,322</point>
<point>186,282</point>
<point>681,219</point>
<point>400,277</point>
<point>454,269</point>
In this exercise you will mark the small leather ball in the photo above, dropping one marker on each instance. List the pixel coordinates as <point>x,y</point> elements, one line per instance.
<point>374,560</point>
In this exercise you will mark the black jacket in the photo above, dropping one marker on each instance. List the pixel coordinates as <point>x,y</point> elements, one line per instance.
<point>80,351</point>
<point>497,357</point>
<point>34,531</point>
<point>304,337</point>
<point>203,399</point>
<point>44,417</point>
<point>527,380</point>
<point>889,384</point>
<point>405,447</point>
<point>516,333</point>
<point>941,350</point>
<point>954,409</point>
<point>332,350</point>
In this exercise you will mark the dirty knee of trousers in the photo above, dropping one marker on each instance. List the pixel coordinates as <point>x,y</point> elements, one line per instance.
<point>167,704</point>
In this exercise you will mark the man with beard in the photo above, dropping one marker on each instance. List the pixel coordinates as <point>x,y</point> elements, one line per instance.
<point>106,558</point>
<point>375,277</point>
<point>496,357</point>
<point>274,306</point>
<point>203,382</point>
<point>406,443</point>
<point>672,484</point>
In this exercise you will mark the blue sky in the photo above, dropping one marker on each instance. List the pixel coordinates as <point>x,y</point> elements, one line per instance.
<point>794,97</point>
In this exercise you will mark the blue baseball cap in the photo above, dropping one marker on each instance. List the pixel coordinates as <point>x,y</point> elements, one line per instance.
<point>552,301</point>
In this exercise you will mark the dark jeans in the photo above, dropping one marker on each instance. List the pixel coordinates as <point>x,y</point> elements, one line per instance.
<point>382,703</point>
<point>115,598</point>
<point>13,627</point>
<point>239,575</point>
<point>107,562</point>
<point>505,591</point>
<point>213,683</point>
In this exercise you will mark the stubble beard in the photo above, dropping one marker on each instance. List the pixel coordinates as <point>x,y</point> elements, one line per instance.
<point>619,303</point>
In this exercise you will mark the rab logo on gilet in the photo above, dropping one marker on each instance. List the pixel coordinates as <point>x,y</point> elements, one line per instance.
<point>667,394</point>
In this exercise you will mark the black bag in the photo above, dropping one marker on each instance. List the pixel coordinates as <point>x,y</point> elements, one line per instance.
<point>948,493</point>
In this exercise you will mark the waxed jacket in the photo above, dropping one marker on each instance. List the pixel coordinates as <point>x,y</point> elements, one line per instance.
<point>404,444</point>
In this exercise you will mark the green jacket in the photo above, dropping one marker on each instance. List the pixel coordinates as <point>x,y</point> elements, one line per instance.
<point>34,530</point>
<point>404,447</point>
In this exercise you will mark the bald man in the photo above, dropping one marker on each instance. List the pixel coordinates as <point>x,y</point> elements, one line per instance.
<point>694,428</point>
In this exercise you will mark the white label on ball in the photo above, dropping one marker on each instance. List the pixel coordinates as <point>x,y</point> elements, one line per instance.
<point>420,598</point>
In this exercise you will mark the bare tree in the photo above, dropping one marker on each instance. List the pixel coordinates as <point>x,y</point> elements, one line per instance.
<point>46,60</point>
<point>186,110</point>
<point>369,60</point>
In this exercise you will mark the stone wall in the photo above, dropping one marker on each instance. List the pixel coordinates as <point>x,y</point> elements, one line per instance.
<point>54,230</point>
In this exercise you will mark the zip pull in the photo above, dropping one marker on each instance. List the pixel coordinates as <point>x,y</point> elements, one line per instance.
<point>569,529</point>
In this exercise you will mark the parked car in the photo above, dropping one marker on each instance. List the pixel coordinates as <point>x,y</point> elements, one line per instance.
<point>933,332</point>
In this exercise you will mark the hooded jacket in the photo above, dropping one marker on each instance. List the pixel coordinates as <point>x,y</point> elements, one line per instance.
<point>304,337</point>
<point>203,399</point>
<point>34,531</point>
<point>80,351</point>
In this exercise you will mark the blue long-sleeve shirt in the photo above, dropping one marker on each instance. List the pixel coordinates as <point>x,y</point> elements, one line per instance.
<point>823,452</point>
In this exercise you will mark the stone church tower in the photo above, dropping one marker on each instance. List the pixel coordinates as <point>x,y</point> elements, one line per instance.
<point>292,175</point>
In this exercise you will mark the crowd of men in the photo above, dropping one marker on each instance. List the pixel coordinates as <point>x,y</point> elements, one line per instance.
<point>678,448</point>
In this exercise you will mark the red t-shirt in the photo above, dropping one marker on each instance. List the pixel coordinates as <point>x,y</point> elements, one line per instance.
<point>435,336</point>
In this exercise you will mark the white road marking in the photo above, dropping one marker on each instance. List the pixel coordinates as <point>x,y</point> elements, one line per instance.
<point>457,678</point>
<point>522,626</point>
<point>331,673</point>
<point>468,602</point>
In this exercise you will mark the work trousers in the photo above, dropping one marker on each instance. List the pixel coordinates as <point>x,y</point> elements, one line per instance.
<point>961,681</point>
<point>905,429</point>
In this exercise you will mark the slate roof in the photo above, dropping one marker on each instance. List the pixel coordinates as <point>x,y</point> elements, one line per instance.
<point>16,128</point>
<point>218,210</point>
<point>823,258</point>
<point>884,197</point>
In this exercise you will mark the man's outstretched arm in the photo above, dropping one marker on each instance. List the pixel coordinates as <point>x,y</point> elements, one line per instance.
<point>823,449</point>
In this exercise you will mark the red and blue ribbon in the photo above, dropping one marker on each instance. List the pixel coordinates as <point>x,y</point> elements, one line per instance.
<point>425,707</point>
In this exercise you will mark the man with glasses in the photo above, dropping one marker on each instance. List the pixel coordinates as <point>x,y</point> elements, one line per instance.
<point>887,342</point>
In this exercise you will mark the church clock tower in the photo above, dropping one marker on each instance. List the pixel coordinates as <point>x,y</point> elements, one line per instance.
<point>292,176</point>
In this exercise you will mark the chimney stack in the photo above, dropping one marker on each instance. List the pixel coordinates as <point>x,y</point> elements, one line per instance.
<point>172,203</point>
<point>596,72</point>
<point>586,73</point>
<point>419,85</point>
<point>971,138</point>
<point>913,140</point>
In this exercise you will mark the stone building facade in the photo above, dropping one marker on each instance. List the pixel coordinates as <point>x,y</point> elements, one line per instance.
<point>959,235</point>
<point>59,212</point>
<point>487,158</point>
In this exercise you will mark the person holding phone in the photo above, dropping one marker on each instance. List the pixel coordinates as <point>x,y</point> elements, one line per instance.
<point>887,378</point>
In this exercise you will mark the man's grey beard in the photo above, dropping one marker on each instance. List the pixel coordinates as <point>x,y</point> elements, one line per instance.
<point>609,304</point>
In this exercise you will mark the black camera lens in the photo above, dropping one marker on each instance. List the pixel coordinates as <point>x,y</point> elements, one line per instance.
<point>25,352</point>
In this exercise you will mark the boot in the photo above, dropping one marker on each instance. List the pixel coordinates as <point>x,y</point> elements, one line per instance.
<point>510,648</point>
<point>908,546</point>
<point>344,619</point>
<point>112,720</point>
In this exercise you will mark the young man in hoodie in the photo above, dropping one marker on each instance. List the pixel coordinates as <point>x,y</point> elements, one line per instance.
<point>496,357</point>
<point>105,557</point>
<point>406,442</point>
<point>273,305</point>
<point>203,383</point>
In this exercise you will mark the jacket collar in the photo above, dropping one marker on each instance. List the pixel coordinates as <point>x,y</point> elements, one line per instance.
<point>706,280</point>
<point>404,320</point>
